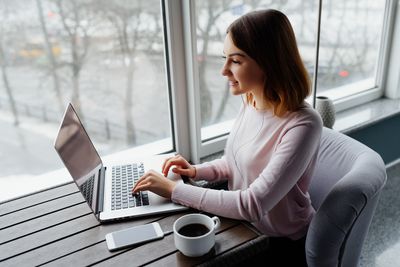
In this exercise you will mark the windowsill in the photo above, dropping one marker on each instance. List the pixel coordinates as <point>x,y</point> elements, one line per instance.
<point>340,92</point>
<point>347,121</point>
<point>11,188</point>
<point>355,118</point>
<point>367,114</point>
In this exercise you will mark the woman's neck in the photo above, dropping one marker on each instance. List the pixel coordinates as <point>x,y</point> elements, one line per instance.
<point>257,101</point>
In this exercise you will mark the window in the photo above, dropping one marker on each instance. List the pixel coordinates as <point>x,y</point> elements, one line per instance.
<point>148,71</point>
<point>218,107</point>
<point>351,54</point>
<point>106,57</point>
<point>351,34</point>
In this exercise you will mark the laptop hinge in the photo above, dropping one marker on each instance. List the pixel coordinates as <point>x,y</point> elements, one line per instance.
<point>100,196</point>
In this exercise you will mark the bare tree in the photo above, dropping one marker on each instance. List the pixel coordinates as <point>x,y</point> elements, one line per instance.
<point>4,65</point>
<point>359,44</point>
<point>76,26</point>
<point>7,84</point>
<point>128,20</point>
<point>222,104</point>
<point>213,10</point>
<point>52,67</point>
<point>151,37</point>
<point>211,26</point>
<point>344,41</point>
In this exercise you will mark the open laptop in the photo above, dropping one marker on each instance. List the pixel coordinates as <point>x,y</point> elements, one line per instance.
<point>107,189</point>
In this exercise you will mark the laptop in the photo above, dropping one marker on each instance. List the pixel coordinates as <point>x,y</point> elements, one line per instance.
<point>107,188</point>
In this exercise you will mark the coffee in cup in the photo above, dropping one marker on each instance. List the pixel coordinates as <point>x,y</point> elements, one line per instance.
<point>193,230</point>
<point>194,234</point>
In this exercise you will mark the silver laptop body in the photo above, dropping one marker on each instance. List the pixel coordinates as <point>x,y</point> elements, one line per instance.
<point>107,189</point>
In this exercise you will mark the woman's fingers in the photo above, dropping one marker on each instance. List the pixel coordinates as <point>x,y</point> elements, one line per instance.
<point>140,181</point>
<point>180,171</point>
<point>165,162</point>
<point>167,165</point>
<point>141,187</point>
<point>175,161</point>
<point>135,187</point>
<point>156,183</point>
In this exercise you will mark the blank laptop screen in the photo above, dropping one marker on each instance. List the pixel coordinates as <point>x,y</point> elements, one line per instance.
<point>79,155</point>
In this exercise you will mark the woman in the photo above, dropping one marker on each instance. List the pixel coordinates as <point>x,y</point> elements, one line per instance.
<point>271,150</point>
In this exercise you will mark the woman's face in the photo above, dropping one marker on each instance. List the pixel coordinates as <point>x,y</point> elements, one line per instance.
<point>243,73</point>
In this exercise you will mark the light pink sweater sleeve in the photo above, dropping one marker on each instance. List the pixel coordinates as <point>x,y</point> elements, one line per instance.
<point>289,161</point>
<point>213,171</point>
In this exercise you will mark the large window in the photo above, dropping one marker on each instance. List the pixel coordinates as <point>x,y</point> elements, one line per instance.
<point>218,107</point>
<point>106,57</point>
<point>349,52</point>
<point>148,71</point>
<point>351,33</point>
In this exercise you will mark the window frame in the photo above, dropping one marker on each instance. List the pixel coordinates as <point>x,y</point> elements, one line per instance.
<point>180,43</point>
<point>370,94</point>
<point>181,32</point>
<point>392,69</point>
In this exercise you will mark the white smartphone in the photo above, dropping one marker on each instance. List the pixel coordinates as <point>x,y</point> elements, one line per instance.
<point>134,235</point>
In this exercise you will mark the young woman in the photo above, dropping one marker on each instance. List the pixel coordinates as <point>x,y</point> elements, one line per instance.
<point>271,150</point>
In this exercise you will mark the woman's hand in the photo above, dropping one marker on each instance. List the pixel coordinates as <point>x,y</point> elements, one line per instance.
<point>156,183</point>
<point>181,166</point>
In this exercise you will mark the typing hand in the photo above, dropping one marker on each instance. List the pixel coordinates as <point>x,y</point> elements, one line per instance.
<point>181,166</point>
<point>156,183</point>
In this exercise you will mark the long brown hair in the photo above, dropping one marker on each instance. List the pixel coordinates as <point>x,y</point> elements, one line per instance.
<point>267,37</point>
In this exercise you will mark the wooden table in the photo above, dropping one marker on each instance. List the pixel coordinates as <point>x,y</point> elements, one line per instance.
<point>56,227</point>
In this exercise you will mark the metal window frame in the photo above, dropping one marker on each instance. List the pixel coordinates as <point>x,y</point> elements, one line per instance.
<point>185,92</point>
<point>370,94</point>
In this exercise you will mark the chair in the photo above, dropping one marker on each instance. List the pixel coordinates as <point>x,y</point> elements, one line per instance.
<point>344,191</point>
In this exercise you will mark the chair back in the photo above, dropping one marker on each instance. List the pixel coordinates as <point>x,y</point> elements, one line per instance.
<point>344,190</point>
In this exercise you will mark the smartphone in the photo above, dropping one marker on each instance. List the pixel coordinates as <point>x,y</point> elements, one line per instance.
<point>134,235</point>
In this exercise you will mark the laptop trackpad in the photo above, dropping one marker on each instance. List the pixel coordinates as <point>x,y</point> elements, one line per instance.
<point>156,199</point>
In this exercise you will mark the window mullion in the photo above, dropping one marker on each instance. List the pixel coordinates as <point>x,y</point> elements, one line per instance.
<point>315,78</point>
<point>390,70</point>
<point>193,88</point>
<point>177,76</point>
<point>181,32</point>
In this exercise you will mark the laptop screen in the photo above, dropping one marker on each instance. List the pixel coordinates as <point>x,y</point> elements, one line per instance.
<point>79,155</point>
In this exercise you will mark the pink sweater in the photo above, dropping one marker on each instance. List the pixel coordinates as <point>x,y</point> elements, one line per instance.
<point>268,163</point>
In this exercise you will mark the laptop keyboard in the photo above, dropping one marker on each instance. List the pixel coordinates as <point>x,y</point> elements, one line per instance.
<point>87,189</point>
<point>123,179</point>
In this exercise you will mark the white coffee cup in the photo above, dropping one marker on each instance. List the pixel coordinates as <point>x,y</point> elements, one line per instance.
<point>195,246</point>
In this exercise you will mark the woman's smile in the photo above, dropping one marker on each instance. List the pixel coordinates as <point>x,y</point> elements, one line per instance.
<point>242,72</point>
